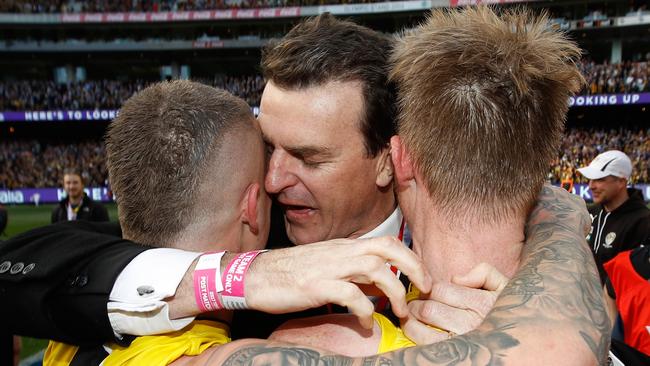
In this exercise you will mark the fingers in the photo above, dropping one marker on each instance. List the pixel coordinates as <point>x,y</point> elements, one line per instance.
<point>421,333</point>
<point>445,317</point>
<point>483,276</point>
<point>464,298</point>
<point>391,286</point>
<point>349,295</point>
<point>396,253</point>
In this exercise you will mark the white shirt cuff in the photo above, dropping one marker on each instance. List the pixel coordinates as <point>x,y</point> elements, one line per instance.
<point>135,304</point>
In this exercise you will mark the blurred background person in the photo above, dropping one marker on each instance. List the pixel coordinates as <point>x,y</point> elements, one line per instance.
<point>620,219</point>
<point>627,293</point>
<point>77,205</point>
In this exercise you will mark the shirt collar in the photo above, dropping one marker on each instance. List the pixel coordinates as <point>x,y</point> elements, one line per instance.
<point>390,226</point>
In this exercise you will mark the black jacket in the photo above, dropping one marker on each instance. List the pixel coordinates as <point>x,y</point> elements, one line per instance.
<point>89,211</point>
<point>64,295</point>
<point>55,280</point>
<point>622,229</point>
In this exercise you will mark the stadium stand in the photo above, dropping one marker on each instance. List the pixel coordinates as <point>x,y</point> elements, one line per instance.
<point>105,94</point>
<point>40,164</point>
<point>626,77</point>
<point>54,6</point>
<point>32,163</point>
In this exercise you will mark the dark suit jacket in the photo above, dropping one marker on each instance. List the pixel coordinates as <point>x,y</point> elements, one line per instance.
<point>55,280</point>
<point>76,263</point>
<point>89,210</point>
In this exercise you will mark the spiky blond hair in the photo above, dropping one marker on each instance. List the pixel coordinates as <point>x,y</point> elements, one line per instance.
<point>483,100</point>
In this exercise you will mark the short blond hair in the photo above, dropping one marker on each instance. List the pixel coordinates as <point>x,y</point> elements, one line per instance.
<point>483,102</point>
<point>159,151</point>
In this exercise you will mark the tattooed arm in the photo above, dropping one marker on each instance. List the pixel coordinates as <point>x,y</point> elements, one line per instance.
<point>550,313</point>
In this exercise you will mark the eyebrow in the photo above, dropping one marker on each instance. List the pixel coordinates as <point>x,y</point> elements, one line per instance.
<point>305,151</point>
<point>308,151</point>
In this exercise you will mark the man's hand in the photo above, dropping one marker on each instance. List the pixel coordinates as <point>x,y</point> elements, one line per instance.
<point>457,307</point>
<point>308,276</point>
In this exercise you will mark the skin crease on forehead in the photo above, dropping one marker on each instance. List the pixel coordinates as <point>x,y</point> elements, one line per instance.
<point>318,166</point>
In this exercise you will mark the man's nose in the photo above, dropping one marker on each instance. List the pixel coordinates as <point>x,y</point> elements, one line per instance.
<point>281,173</point>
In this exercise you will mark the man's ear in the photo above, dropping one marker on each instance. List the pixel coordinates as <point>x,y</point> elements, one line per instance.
<point>249,206</point>
<point>384,169</point>
<point>401,162</point>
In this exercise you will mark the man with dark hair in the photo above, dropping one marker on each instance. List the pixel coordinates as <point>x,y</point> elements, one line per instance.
<point>77,205</point>
<point>327,114</point>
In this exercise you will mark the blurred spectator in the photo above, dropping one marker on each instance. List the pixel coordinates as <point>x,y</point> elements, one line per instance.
<point>77,205</point>
<point>628,293</point>
<point>620,219</point>
<point>105,94</point>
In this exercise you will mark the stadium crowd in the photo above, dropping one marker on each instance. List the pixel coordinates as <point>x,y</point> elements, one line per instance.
<point>580,146</point>
<point>625,77</point>
<point>104,94</point>
<point>100,6</point>
<point>35,164</point>
<point>39,164</point>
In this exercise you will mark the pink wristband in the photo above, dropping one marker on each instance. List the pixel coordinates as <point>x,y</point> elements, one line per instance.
<point>233,280</point>
<point>207,281</point>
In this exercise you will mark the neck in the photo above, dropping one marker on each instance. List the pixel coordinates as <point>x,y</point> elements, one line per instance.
<point>208,236</point>
<point>384,206</point>
<point>617,201</point>
<point>75,200</point>
<point>454,245</point>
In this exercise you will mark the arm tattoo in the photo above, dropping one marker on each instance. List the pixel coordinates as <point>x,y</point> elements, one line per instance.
<point>556,283</point>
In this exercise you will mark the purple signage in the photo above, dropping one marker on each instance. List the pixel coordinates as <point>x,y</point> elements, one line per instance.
<point>61,115</point>
<point>609,99</point>
<point>36,196</point>
<point>67,115</point>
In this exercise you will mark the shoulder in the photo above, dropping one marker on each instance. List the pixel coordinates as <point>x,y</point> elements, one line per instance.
<point>339,333</point>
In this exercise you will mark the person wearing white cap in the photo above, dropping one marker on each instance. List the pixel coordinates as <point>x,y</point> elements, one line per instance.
<point>620,218</point>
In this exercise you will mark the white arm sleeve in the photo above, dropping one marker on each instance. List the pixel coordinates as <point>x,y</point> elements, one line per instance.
<point>136,303</point>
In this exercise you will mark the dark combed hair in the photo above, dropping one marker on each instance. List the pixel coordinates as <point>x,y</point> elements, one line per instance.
<point>483,99</point>
<point>324,49</point>
<point>158,149</point>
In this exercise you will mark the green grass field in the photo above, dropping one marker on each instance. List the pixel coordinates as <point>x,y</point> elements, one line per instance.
<point>21,219</point>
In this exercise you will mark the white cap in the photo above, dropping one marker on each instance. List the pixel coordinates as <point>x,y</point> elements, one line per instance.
<point>611,162</point>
